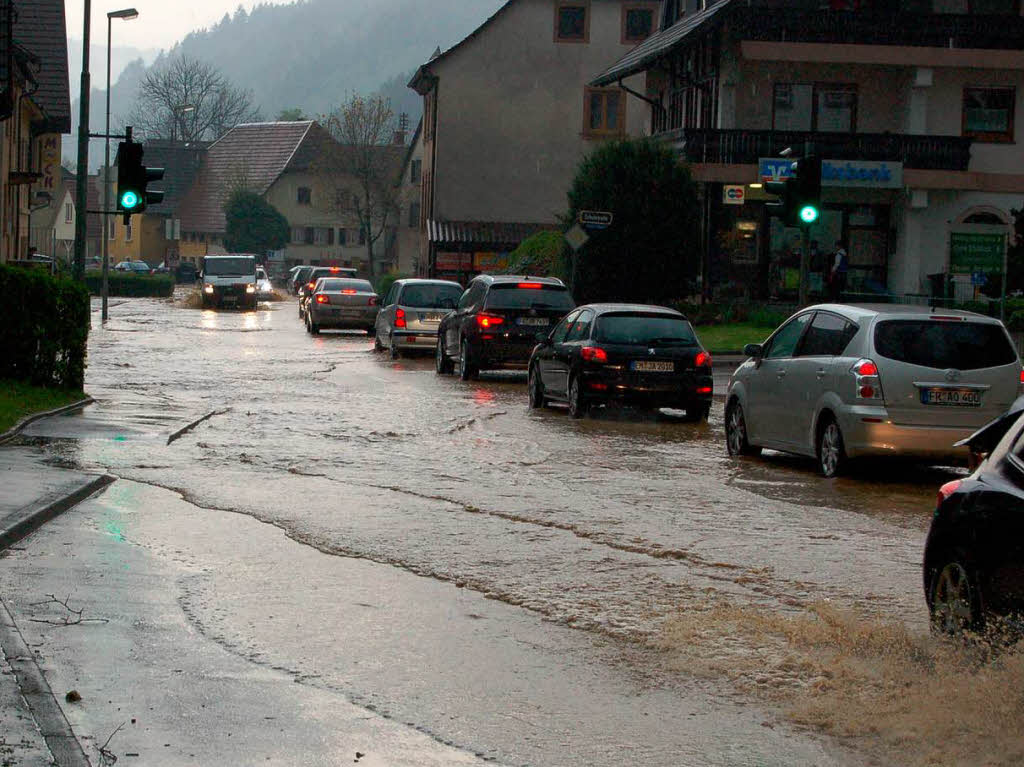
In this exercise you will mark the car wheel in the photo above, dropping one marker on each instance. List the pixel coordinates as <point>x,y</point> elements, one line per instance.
<point>467,370</point>
<point>314,328</point>
<point>577,405</point>
<point>954,600</point>
<point>442,365</point>
<point>736,432</point>
<point>395,353</point>
<point>536,389</point>
<point>377,345</point>
<point>831,453</point>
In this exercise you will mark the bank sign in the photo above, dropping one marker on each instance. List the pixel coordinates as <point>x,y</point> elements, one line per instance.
<point>863,174</point>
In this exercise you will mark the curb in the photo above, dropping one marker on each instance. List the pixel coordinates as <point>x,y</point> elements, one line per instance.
<point>37,518</point>
<point>13,432</point>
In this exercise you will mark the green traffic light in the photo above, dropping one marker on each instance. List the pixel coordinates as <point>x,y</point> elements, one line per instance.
<point>809,214</point>
<point>129,200</point>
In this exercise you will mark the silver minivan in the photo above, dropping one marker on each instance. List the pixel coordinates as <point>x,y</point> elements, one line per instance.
<point>842,381</point>
<point>410,313</point>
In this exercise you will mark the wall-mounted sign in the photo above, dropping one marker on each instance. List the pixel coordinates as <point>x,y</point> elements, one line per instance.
<point>50,165</point>
<point>490,262</point>
<point>454,262</point>
<point>972,252</point>
<point>734,194</point>
<point>774,169</point>
<point>862,173</point>
<point>594,219</point>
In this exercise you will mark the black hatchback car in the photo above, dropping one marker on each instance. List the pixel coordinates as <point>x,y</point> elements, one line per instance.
<point>631,354</point>
<point>497,320</point>
<point>974,555</point>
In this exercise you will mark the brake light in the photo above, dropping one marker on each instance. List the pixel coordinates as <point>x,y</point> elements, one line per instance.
<point>530,285</point>
<point>335,269</point>
<point>594,354</point>
<point>322,299</point>
<point>866,368</point>
<point>400,318</point>
<point>947,319</point>
<point>372,301</point>
<point>703,360</point>
<point>948,489</point>
<point>868,385</point>
<point>704,390</point>
<point>349,292</point>
<point>488,320</point>
<point>310,285</point>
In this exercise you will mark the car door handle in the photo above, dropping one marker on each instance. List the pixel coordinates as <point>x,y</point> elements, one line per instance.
<point>781,374</point>
<point>821,374</point>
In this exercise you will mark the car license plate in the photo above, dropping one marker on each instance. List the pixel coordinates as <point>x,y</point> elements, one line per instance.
<point>350,313</point>
<point>430,317</point>
<point>647,366</point>
<point>538,322</point>
<point>951,397</point>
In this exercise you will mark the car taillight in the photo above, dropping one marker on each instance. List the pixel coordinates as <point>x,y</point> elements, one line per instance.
<point>488,320</point>
<point>704,390</point>
<point>310,285</point>
<point>322,299</point>
<point>867,382</point>
<point>947,490</point>
<point>400,318</point>
<point>372,301</point>
<point>594,354</point>
<point>1020,386</point>
<point>530,285</point>
<point>703,359</point>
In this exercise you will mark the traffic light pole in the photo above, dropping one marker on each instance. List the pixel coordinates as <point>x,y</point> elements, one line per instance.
<point>805,258</point>
<point>82,172</point>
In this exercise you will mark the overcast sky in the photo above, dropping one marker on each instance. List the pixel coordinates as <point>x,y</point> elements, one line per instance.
<point>160,24</point>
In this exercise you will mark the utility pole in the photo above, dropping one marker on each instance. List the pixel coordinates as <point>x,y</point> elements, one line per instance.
<point>82,190</point>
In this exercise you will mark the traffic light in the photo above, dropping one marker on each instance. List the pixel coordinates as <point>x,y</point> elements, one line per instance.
<point>133,178</point>
<point>799,194</point>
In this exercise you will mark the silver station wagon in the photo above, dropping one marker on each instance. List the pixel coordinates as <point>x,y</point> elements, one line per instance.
<point>843,381</point>
<point>411,312</point>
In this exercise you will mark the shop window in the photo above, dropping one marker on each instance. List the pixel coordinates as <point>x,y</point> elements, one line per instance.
<point>824,107</point>
<point>637,22</point>
<point>988,114</point>
<point>572,21</point>
<point>604,112</point>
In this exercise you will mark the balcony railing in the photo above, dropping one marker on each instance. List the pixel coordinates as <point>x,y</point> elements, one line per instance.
<point>864,28</point>
<point>747,146</point>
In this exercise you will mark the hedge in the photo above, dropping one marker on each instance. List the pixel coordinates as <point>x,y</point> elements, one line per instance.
<point>132,285</point>
<point>47,328</point>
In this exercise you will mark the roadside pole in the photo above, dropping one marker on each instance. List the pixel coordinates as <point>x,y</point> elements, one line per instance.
<point>104,290</point>
<point>1002,298</point>
<point>82,190</point>
<point>805,257</point>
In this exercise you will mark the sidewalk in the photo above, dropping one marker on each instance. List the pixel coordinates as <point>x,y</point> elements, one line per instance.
<point>33,730</point>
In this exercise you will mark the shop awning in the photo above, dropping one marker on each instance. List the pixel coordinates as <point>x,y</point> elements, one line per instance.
<point>491,233</point>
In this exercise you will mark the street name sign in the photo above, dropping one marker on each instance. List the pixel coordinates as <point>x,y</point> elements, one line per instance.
<point>595,219</point>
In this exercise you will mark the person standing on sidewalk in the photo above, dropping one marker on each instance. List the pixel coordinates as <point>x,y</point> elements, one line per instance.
<point>837,276</point>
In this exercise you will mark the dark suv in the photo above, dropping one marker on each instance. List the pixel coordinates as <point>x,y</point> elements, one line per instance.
<point>497,321</point>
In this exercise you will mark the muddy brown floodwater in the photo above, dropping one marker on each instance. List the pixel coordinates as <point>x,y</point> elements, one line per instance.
<point>753,580</point>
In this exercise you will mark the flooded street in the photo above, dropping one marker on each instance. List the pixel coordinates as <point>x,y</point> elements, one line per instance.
<point>515,584</point>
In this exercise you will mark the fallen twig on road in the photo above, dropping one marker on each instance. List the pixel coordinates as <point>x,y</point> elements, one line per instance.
<point>107,757</point>
<point>72,617</point>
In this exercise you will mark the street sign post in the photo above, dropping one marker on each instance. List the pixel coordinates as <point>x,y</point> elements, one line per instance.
<point>594,219</point>
<point>576,237</point>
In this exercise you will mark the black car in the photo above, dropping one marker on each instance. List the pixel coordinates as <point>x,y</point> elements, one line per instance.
<point>186,272</point>
<point>299,279</point>
<point>630,354</point>
<point>497,320</point>
<point>974,555</point>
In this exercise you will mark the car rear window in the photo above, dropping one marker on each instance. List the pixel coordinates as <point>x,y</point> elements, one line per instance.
<point>944,344</point>
<point>429,296</point>
<point>511,296</point>
<point>335,285</point>
<point>644,329</point>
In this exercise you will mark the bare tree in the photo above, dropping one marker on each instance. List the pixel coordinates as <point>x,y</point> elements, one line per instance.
<point>189,100</point>
<point>359,172</point>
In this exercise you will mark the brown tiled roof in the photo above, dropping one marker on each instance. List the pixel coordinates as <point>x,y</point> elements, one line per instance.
<point>256,152</point>
<point>181,163</point>
<point>492,233</point>
<point>39,28</point>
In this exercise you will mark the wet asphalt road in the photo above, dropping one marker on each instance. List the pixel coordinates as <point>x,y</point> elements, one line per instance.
<point>552,549</point>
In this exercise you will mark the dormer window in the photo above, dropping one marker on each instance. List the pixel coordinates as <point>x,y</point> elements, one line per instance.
<point>572,21</point>
<point>637,22</point>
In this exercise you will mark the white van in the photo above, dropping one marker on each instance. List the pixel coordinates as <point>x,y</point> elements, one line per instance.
<point>229,280</point>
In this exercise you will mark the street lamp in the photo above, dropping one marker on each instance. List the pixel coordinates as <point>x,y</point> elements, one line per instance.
<point>126,14</point>
<point>175,111</point>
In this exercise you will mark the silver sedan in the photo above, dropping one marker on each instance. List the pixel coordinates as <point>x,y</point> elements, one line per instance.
<point>341,303</point>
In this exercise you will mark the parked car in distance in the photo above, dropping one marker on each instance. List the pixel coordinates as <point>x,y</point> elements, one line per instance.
<point>343,303</point>
<point>629,354</point>
<point>296,277</point>
<point>974,553</point>
<point>311,278</point>
<point>229,280</point>
<point>186,272</point>
<point>496,322</point>
<point>264,288</point>
<point>839,381</point>
<point>411,312</point>
<point>136,267</point>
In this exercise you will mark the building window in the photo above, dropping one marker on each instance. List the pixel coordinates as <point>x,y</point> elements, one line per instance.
<point>128,230</point>
<point>298,234</point>
<point>637,23</point>
<point>69,212</point>
<point>823,107</point>
<point>414,215</point>
<point>308,235</point>
<point>305,196</point>
<point>323,236</point>
<point>414,174</point>
<point>572,21</point>
<point>604,112</point>
<point>988,114</point>
<point>342,237</point>
<point>362,236</point>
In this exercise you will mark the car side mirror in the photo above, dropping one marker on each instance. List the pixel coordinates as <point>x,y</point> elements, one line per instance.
<point>753,350</point>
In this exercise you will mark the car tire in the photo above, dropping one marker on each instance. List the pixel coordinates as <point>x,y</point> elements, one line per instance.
<point>954,597</point>
<point>697,414</point>
<point>536,389</point>
<point>736,432</point>
<point>377,345</point>
<point>467,370</point>
<point>578,406</point>
<point>442,365</point>
<point>314,329</point>
<point>831,451</point>
<point>393,350</point>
